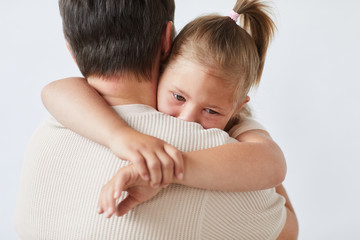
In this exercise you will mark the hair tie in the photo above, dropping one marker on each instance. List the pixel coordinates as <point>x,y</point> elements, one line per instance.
<point>233,15</point>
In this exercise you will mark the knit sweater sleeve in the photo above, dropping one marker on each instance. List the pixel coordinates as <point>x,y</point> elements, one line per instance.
<point>63,173</point>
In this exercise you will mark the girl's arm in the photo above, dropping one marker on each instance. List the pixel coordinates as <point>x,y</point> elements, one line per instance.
<point>79,107</point>
<point>255,162</point>
<point>70,101</point>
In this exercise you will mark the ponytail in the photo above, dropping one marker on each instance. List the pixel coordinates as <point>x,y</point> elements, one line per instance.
<point>255,19</point>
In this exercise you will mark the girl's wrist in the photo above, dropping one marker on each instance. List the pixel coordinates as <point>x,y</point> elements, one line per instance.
<point>118,135</point>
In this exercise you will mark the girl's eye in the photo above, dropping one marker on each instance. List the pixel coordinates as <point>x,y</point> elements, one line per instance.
<point>179,97</point>
<point>210,111</point>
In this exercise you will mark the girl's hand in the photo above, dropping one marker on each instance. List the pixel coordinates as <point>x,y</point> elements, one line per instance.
<point>154,159</point>
<point>126,179</point>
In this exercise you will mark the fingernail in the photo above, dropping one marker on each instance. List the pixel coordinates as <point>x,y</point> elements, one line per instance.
<point>116,195</point>
<point>180,176</point>
<point>98,210</point>
<point>108,212</point>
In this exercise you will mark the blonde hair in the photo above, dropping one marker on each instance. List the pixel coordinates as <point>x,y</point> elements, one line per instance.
<point>234,53</point>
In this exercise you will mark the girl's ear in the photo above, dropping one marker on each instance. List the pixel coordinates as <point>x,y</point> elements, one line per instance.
<point>71,53</point>
<point>247,99</point>
<point>166,40</point>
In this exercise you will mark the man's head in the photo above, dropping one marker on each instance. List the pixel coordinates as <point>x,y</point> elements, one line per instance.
<point>111,37</point>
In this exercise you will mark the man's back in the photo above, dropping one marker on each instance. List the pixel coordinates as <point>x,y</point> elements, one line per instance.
<point>64,172</point>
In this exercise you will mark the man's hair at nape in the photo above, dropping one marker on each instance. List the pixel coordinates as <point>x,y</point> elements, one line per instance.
<point>111,37</point>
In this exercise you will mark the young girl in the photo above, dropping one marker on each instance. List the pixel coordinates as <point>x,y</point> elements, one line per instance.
<point>212,66</point>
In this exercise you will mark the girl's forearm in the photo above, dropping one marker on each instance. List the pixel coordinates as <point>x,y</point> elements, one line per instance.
<point>79,107</point>
<point>254,164</point>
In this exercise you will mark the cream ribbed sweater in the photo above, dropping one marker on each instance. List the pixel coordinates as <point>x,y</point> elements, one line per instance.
<point>63,173</point>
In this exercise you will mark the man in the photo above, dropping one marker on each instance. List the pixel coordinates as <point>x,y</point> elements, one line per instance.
<point>118,46</point>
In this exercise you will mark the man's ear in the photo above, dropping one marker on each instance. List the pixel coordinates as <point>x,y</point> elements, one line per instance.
<point>166,40</point>
<point>71,53</point>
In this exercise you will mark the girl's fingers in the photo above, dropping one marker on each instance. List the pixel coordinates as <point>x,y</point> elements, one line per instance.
<point>167,167</point>
<point>141,165</point>
<point>154,166</point>
<point>99,209</point>
<point>126,205</point>
<point>110,204</point>
<point>107,202</point>
<point>177,157</point>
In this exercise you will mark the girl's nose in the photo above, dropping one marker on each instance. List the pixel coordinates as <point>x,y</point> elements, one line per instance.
<point>188,114</point>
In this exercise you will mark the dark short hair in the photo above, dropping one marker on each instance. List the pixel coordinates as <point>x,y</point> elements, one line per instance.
<point>110,37</point>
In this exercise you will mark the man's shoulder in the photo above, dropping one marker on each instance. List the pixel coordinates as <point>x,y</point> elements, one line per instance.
<point>186,136</point>
<point>144,112</point>
<point>147,120</point>
<point>134,109</point>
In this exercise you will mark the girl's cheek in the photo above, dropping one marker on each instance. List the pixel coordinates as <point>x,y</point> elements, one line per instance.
<point>207,123</point>
<point>213,122</point>
<point>168,107</point>
<point>174,110</point>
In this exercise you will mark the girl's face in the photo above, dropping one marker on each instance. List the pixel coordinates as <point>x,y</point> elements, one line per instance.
<point>189,92</point>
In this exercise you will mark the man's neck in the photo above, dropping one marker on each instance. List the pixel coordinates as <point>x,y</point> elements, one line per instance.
<point>126,90</point>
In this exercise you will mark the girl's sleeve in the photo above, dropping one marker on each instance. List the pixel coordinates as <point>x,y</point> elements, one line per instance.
<point>244,125</point>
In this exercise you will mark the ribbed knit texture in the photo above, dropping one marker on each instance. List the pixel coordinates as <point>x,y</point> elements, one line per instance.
<point>63,174</point>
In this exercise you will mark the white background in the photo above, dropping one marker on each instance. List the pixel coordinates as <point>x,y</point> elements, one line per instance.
<point>308,100</point>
